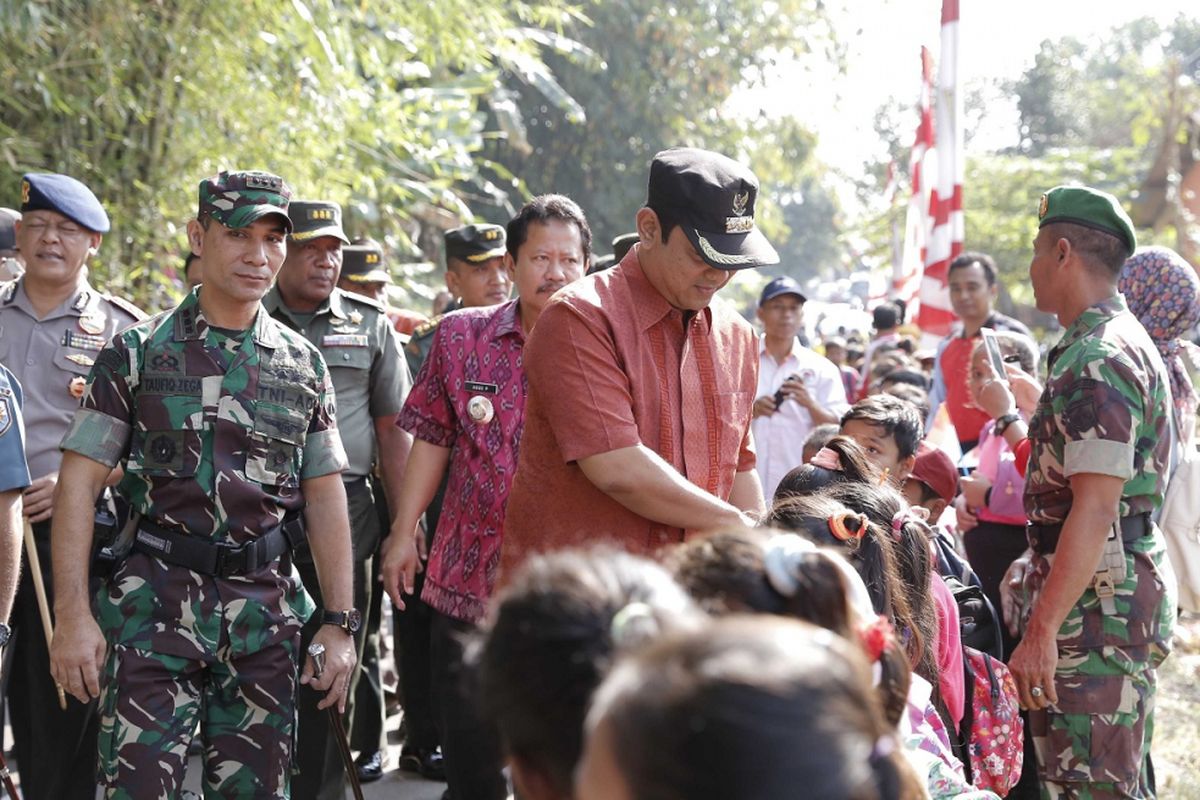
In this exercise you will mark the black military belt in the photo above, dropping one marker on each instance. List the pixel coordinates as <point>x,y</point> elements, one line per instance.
<point>1044,538</point>
<point>220,559</point>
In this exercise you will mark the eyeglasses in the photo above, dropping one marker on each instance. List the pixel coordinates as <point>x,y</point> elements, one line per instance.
<point>66,230</point>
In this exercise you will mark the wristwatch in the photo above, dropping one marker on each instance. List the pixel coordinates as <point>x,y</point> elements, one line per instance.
<point>349,620</point>
<point>1002,423</point>
<point>5,634</point>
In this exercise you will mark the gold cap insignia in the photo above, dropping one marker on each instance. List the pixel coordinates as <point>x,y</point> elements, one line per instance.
<point>739,224</point>
<point>1043,207</point>
<point>24,192</point>
<point>739,203</point>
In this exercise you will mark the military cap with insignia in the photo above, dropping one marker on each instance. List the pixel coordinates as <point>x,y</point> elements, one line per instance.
<point>1091,208</point>
<point>712,198</point>
<point>314,218</point>
<point>46,191</point>
<point>475,243</point>
<point>362,262</point>
<point>238,199</point>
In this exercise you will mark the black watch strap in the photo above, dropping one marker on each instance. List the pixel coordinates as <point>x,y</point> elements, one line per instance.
<point>349,620</point>
<point>1003,422</point>
<point>5,633</point>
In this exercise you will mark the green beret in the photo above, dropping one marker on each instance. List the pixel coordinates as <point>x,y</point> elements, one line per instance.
<point>1091,208</point>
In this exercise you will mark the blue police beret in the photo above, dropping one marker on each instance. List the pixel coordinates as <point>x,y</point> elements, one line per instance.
<point>51,192</point>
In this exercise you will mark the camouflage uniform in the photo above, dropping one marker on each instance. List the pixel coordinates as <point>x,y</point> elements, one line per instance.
<point>218,429</point>
<point>1104,410</point>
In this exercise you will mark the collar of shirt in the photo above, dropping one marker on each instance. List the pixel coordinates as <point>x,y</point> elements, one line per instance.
<point>507,320</point>
<point>191,324</point>
<point>649,305</point>
<point>1087,322</point>
<point>84,300</point>
<point>792,354</point>
<point>334,305</point>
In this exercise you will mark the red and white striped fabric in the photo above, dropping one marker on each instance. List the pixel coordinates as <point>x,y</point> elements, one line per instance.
<point>934,225</point>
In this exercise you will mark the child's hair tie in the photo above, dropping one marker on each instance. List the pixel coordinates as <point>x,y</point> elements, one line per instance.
<point>876,637</point>
<point>827,459</point>
<point>848,526</point>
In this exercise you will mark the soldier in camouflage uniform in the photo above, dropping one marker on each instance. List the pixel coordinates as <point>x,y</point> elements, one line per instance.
<point>370,381</point>
<point>14,477</point>
<point>225,419</point>
<point>1098,454</point>
<point>52,325</point>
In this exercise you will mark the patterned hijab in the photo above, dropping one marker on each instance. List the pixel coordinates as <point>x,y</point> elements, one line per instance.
<point>1163,292</point>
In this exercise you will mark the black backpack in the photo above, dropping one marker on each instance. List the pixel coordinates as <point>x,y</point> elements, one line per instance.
<point>978,622</point>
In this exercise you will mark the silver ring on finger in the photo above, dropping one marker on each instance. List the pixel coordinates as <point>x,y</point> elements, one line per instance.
<point>1036,691</point>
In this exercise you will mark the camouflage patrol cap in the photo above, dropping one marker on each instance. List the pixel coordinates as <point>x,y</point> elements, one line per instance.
<point>315,218</point>
<point>1091,208</point>
<point>362,262</point>
<point>475,243</point>
<point>238,199</point>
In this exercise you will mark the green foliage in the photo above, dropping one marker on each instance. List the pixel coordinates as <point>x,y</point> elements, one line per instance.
<point>375,105</point>
<point>666,75</point>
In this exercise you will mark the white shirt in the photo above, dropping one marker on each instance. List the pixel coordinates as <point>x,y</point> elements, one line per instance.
<point>779,438</point>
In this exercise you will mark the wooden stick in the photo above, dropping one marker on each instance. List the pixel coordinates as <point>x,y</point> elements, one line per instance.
<point>39,588</point>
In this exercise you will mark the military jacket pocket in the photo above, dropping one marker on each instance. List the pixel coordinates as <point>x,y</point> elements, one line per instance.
<point>74,361</point>
<point>166,453</point>
<point>275,446</point>
<point>350,367</point>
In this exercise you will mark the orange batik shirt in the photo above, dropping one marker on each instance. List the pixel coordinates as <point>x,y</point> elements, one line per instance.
<point>612,364</point>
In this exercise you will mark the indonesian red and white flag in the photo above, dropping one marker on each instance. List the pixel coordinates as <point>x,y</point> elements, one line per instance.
<point>934,228</point>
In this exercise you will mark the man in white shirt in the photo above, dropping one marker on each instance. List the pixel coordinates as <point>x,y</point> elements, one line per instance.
<point>797,388</point>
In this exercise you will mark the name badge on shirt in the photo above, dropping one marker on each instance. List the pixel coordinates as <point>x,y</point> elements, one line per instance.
<point>481,388</point>
<point>344,340</point>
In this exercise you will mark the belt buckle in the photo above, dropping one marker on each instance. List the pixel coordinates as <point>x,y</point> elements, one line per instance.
<point>220,565</point>
<point>1103,585</point>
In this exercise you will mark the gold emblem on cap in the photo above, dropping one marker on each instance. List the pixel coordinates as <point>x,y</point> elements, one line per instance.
<point>92,322</point>
<point>1043,206</point>
<point>739,203</point>
<point>24,192</point>
<point>480,409</point>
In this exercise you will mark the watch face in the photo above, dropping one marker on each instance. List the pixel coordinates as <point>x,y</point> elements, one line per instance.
<point>5,634</point>
<point>353,620</point>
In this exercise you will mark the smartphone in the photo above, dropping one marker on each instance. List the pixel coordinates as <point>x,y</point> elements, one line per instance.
<point>992,345</point>
<point>779,394</point>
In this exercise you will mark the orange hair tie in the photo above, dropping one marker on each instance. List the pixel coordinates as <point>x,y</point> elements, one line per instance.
<point>841,529</point>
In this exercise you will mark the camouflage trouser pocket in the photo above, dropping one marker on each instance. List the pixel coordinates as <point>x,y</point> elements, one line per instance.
<point>1096,734</point>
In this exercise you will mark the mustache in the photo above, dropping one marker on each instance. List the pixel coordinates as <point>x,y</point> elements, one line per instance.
<point>551,286</point>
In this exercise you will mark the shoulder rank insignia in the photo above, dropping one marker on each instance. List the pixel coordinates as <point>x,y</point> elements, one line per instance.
<point>427,328</point>
<point>10,292</point>
<point>81,359</point>
<point>6,415</point>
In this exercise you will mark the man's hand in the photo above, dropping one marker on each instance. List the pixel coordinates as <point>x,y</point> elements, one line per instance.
<point>39,498</point>
<point>974,488</point>
<point>1032,665</point>
<point>339,664</point>
<point>77,656</point>
<point>764,406</point>
<point>403,557</point>
<point>1012,592</point>
<point>965,519</point>
<point>795,389</point>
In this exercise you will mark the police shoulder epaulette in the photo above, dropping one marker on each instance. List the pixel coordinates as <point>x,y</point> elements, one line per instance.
<point>126,306</point>
<point>427,328</point>
<point>8,289</point>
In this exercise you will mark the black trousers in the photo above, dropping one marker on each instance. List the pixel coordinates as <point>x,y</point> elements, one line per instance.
<point>318,760</point>
<point>470,747</point>
<point>413,639</point>
<point>367,733</point>
<point>56,749</point>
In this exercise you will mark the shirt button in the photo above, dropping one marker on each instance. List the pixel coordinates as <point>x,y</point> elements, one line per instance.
<point>304,332</point>
<point>345,356</point>
<point>29,361</point>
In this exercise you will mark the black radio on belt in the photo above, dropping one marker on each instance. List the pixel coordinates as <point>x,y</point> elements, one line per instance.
<point>104,535</point>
